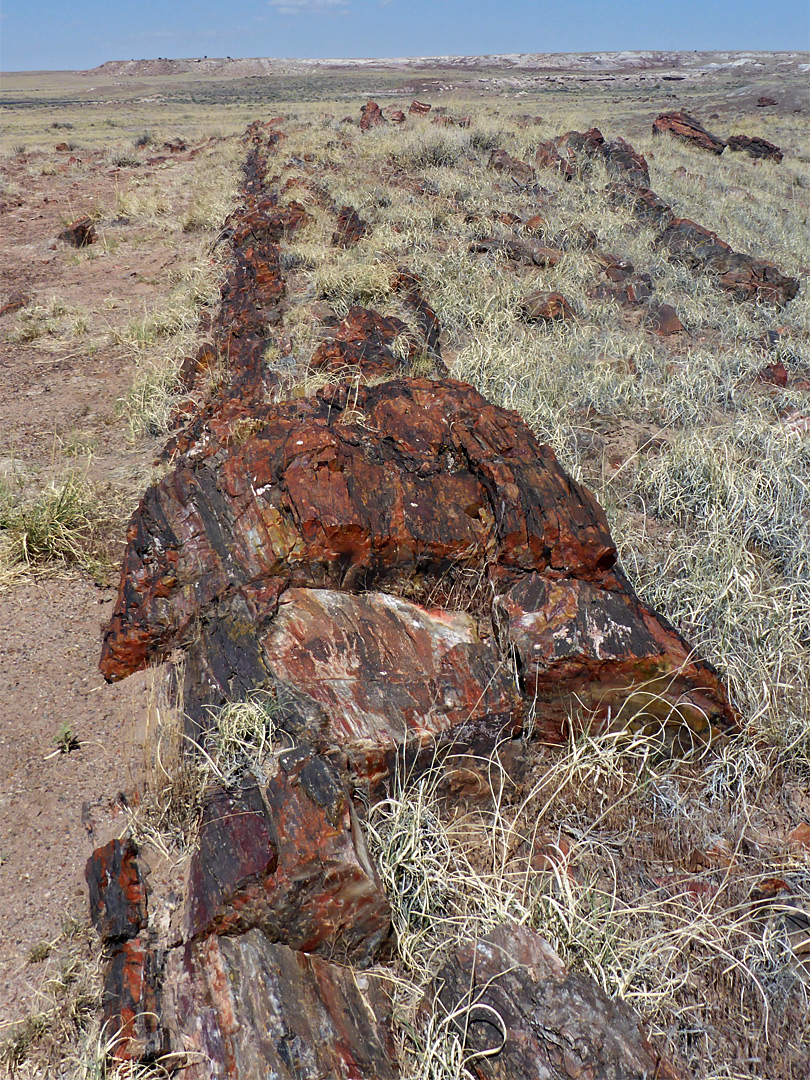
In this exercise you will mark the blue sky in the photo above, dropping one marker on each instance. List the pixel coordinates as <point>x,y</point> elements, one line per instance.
<point>64,34</point>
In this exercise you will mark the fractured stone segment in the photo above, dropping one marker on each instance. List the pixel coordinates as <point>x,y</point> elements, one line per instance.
<point>756,147</point>
<point>238,1008</point>
<point>363,340</point>
<point>131,1003</point>
<point>379,676</point>
<point>521,1014</point>
<point>687,129</point>
<point>117,891</point>
<point>352,486</point>
<point>293,864</point>
<point>604,651</point>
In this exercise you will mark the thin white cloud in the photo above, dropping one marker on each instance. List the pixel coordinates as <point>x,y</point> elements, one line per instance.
<point>309,7</point>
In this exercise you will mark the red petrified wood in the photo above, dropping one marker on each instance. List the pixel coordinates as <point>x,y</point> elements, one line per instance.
<point>685,127</point>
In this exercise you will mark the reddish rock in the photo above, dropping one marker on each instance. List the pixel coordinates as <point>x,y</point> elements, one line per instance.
<point>570,154</point>
<point>397,116</point>
<point>363,340</point>
<point>241,1007</point>
<point>663,318</point>
<point>689,130</point>
<point>535,224</point>
<point>117,891</point>
<point>756,147</point>
<point>520,249</point>
<point>546,307</point>
<point>375,674</point>
<point>412,476</point>
<point>519,1013</point>
<point>763,102</point>
<point>579,642</point>
<point>293,864</point>
<point>644,203</point>
<point>775,373</point>
<point>175,146</point>
<point>350,227</point>
<point>800,836</point>
<point>743,276</point>
<point>408,287</point>
<point>265,222</point>
<point>80,233</point>
<point>625,164</point>
<point>502,162</point>
<point>452,121</point>
<point>419,108</point>
<point>62,148</point>
<point>371,116</point>
<point>15,302</point>
<point>130,1003</point>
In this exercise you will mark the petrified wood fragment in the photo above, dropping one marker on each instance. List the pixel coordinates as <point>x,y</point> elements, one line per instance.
<point>687,129</point>
<point>117,891</point>
<point>131,1015</point>
<point>364,340</point>
<point>605,649</point>
<point>240,1007</point>
<point>756,147</point>
<point>371,116</point>
<point>521,1014</point>
<point>350,227</point>
<point>292,864</point>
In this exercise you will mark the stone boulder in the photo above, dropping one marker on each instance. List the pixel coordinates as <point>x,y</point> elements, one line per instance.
<point>501,161</point>
<point>419,108</point>
<point>570,154</point>
<point>684,127</point>
<point>363,340</point>
<point>520,1014</point>
<point>350,228</point>
<point>546,307</point>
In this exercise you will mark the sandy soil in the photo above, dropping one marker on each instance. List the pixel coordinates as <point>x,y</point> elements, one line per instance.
<point>58,393</point>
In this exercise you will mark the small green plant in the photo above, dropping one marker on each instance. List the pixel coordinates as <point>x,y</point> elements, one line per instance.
<point>66,739</point>
<point>144,139</point>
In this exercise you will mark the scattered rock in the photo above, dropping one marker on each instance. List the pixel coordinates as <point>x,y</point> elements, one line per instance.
<point>176,146</point>
<point>521,249</point>
<point>687,129</point>
<point>62,148</point>
<point>775,373</point>
<point>521,1014</point>
<point>130,1003</point>
<point>756,147</point>
<point>371,116</point>
<point>80,233</point>
<point>570,154</point>
<point>397,116</point>
<point>764,102</point>
<point>626,164</point>
<point>663,318</point>
<point>350,228</point>
<point>546,307</point>
<point>419,108</point>
<point>364,340</point>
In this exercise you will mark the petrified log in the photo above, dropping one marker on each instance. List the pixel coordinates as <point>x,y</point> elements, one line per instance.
<point>501,161</point>
<point>626,164</point>
<point>130,1002</point>
<point>397,116</point>
<point>756,147</point>
<point>241,1007</point>
<point>570,154</point>
<point>371,116</point>
<point>687,129</point>
<point>292,863</point>
<point>521,1014</point>
<point>606,649</point>
<point>419,108</point>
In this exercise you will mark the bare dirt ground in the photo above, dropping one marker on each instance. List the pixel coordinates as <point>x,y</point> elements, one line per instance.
<point>58,395</point>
